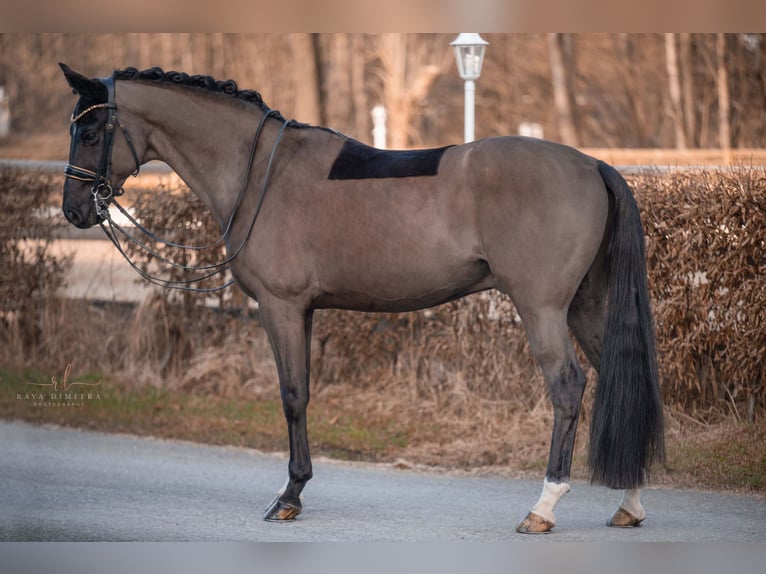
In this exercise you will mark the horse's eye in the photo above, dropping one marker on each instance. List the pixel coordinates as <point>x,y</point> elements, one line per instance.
<point>89,138</point>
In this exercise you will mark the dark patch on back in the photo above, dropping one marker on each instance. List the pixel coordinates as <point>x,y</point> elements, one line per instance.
<point>359,161</point>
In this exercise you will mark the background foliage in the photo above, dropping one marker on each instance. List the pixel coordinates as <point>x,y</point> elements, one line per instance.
<point>610,90</point>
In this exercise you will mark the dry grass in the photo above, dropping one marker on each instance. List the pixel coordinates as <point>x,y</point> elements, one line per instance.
<point>728,456</point>
<point>464,384</point>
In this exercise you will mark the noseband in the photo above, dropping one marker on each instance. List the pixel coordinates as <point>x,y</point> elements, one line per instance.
<point>103,190</point>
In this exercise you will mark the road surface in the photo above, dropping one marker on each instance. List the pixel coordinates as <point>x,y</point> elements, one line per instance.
<point>68,485</point>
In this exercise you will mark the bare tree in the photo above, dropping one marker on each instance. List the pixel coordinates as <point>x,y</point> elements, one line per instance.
<point>342,60</point>
<point>687,80</point>
<point>307,94</point>
<point>635,119</point>
<point>358,88</point>
<point>562,92</point>
<point>674,85</point>
<point>623,79</point>
<point>724,105</point>
<point>409,64</point>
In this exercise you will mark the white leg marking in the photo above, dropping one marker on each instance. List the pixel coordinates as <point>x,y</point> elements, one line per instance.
<point>631,501</point>
<point>552,493</point>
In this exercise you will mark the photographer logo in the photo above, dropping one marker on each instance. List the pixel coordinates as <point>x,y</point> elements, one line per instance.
<point>63,393</point>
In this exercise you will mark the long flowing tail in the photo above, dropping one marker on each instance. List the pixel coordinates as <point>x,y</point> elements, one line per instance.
<point>626,433</point>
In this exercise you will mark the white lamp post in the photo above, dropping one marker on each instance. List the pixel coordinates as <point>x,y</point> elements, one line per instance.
<point>469,54</point>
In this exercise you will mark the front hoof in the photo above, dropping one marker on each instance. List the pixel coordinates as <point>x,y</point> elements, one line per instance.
<point>281,511</point>
<point>623,519</point>
<point>534,524</point>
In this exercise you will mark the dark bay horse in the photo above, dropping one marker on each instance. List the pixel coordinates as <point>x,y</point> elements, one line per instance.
<point>313,219</point>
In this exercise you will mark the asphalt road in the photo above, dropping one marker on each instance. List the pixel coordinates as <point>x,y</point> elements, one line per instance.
<point>67,485</point>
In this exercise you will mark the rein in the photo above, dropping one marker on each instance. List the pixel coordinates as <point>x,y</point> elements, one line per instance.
<point>105,194</point>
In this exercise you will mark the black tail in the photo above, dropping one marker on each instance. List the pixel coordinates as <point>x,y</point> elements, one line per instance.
<point>626,432</point>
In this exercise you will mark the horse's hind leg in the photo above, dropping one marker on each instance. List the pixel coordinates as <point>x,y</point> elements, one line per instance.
<point>630,512</point>
<point>586,318</point>
<point>289,330</point>
<point>550,343</point>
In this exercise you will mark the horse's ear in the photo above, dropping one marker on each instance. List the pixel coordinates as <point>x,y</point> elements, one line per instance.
<point>91,90</point>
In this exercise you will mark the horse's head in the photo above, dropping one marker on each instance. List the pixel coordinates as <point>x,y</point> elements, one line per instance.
<point>99,162</point>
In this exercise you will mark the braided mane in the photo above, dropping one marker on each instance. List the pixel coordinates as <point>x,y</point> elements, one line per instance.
<point>228,87</point>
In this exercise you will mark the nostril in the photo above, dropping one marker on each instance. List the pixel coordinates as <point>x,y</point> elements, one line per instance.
<point>72,216</point>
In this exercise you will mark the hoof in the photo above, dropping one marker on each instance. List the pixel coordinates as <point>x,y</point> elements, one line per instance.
<point>280,511</point>
<point>534,524</point>
<point>623,519</point>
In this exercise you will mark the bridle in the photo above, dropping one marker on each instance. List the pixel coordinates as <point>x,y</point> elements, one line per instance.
<point>103,189</point>
<point>105,194</point>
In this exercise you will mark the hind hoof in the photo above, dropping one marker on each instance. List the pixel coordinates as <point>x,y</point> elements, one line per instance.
<point>534,524</point>
<point>623,519</point>
<point>281,511</point>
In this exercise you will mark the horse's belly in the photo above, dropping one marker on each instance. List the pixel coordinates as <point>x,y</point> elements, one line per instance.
<point>405,288</point>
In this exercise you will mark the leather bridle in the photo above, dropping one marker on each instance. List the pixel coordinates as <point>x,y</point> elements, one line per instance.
<point>105,193</point>
<point>103,189</point>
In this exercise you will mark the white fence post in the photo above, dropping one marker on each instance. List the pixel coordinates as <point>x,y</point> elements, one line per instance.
<point>531,130</point>
<point>5,114</point>
<point>379,126</point>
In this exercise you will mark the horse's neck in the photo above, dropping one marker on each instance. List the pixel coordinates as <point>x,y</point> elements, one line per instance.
<point>205,139</point>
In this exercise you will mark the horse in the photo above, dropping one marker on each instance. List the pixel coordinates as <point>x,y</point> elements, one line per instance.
<point>313,219</point>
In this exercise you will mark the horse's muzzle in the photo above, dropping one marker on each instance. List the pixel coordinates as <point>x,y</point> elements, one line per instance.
<point>82,216</point>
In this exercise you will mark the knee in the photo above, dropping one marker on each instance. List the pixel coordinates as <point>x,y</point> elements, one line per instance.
<point>294,403</point>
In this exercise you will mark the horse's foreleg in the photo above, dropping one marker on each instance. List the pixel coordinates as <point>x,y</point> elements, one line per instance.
<point>289,330</point>
<point>551,345</point>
